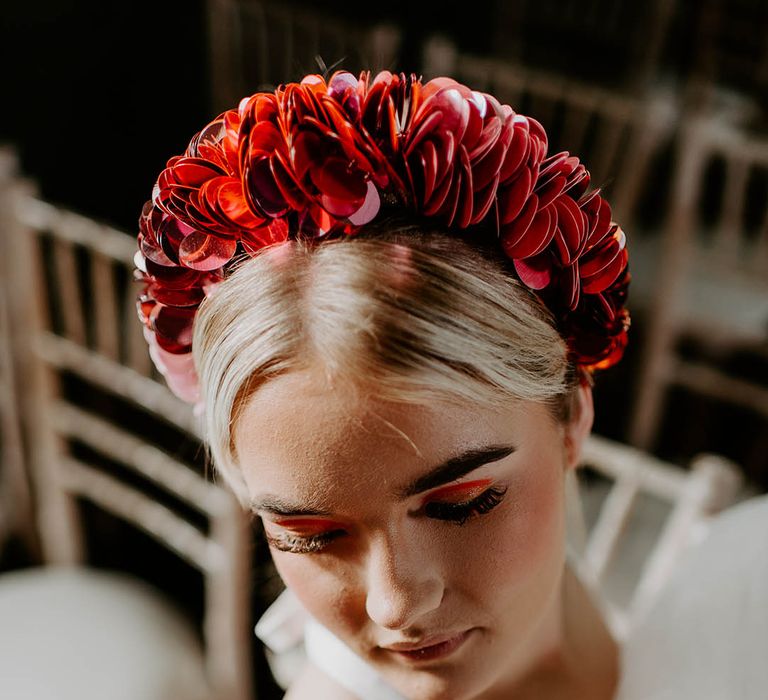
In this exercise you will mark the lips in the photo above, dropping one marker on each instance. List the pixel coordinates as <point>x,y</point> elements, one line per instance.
<point>432,647</point>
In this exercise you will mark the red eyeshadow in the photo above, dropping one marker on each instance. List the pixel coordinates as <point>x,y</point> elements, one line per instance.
<point>309,523</point>
<point>454,489</point>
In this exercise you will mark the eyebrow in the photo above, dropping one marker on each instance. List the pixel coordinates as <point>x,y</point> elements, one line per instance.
<point>456,467</point>
<point>444,473</point>
<point>277,506</point>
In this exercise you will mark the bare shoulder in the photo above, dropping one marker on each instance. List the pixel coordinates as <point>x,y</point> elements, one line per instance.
<point>313,684</point>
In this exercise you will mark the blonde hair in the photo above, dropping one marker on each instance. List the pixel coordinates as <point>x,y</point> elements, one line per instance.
<point>408,314</point>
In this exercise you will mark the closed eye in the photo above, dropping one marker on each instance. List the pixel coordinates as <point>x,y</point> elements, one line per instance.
<point>303,544</point>
<point>301,535</point>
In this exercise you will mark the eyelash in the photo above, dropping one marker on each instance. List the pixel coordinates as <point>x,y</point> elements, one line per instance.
<point>310,544</point>
<point>458,513</point>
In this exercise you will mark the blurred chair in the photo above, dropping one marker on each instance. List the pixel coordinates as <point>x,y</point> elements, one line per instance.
<point>257,45</point>
<point>680,503</point>
<point>16,518</point>
<point>70,631</point>
<point>617,136</point>
<point>711,285</point>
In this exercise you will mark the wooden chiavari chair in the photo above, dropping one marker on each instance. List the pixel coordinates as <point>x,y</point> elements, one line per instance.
<point>626,561</point>
<point>15,499</point>
<point>84,378</point>
<point>712,280</point>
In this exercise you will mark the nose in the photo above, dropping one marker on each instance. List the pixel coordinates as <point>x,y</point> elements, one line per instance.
<point>403,582</point>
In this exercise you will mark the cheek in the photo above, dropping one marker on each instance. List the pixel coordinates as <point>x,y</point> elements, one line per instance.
<point>539,517</point>
<point>522,547</point>
<point>325,589</point>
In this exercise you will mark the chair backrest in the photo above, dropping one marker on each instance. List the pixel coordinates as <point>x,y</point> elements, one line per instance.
<point>687,497</point>
<point>15,499</point>
<point>617,136</point>
<point>712,270</point>
<point>734,234</point>
<point>256,45</point>
<point>82,362</point>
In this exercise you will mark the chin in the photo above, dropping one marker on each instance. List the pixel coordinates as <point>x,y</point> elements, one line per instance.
<point>457,684</point>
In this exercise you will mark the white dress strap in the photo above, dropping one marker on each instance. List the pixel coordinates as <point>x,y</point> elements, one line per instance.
<point>339,662</point>
<point>281,627</point>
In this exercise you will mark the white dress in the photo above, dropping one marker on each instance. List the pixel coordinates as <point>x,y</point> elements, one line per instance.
<point>706,637</point>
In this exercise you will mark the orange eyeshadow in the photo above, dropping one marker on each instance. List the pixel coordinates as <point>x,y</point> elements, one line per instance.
<point>467,488</point>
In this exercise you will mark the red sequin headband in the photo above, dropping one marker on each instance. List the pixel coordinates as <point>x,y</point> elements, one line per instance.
<point>315,159</point>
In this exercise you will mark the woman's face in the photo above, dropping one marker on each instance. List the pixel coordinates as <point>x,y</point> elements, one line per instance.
<point>429,538</point>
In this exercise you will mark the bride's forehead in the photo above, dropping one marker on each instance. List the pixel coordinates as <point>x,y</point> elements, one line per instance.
<point>291,412</point>
<point>297,416</point>
<point>289,441</point>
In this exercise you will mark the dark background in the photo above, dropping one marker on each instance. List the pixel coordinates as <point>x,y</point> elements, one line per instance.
<point>98,95</point>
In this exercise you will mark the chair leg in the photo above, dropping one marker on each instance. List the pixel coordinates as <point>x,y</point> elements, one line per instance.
<point>649,404</point>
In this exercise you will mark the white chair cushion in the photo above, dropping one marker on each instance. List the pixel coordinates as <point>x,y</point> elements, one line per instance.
<point>82,634</point>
